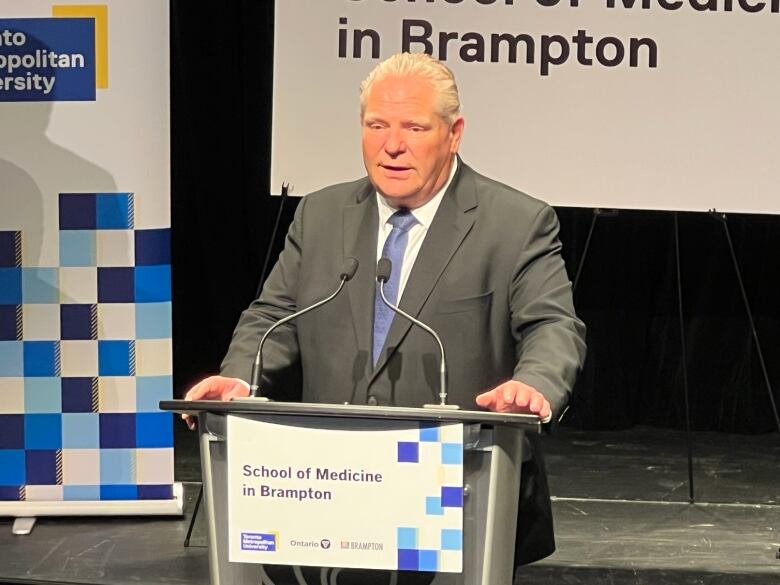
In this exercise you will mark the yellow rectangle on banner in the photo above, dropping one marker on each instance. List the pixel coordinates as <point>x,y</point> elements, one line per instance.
<point>100,13</point>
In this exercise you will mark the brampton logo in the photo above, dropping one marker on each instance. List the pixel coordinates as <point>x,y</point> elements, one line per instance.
<point>259,541</point>
<point>361,545</point>
<point>63,58</point>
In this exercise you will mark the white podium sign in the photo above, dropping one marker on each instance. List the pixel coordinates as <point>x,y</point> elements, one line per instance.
<point>346,493</point>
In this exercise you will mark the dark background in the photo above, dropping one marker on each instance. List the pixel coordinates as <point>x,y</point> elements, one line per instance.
<point>222,218</point>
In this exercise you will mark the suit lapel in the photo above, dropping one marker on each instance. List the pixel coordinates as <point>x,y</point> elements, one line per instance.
<point>360,234</point>
<point>450,226</point>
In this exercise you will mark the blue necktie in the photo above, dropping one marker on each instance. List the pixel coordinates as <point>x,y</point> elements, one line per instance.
<point>395,245</point>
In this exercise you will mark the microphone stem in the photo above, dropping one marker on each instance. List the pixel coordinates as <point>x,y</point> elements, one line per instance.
<point>442,382</point>
<point>257,366</point>
<point>443,365</point>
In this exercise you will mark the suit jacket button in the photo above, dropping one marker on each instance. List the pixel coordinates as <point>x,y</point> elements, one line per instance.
<point>372,401</point>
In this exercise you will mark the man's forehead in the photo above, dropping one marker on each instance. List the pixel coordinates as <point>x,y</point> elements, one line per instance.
<point>409,97</point>
<point>401,113</point>
<point>397,89</point>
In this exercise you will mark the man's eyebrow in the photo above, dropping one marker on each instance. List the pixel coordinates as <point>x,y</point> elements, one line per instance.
<point>417,122</point>
<point>405,121</point>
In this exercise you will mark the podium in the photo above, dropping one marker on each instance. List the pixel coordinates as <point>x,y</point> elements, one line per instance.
<point>493,452</point>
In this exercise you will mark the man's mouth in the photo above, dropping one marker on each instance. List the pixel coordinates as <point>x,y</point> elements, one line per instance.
<point>394,168</point>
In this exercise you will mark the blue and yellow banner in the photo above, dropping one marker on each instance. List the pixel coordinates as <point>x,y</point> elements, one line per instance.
<point>85,275</point>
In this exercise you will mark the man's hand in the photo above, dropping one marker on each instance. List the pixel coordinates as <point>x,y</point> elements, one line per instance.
<point>215,388</point>
<point>515,397</point>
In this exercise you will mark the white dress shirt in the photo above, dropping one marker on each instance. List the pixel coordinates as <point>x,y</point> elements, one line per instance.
<point>424,216</point>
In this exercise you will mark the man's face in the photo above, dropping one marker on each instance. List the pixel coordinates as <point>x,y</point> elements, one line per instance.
<point>407,145</point>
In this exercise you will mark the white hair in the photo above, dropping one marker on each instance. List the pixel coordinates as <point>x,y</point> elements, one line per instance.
<point>421,65</point>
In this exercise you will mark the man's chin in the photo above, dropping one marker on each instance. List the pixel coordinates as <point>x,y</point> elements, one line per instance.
<point>394,190</point>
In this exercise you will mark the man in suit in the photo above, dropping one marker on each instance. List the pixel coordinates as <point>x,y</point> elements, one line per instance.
<point>476,260</point>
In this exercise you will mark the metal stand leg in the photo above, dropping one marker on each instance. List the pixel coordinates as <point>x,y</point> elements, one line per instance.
<point>596,214</point>
<point>683,358</point>
<point>194,517</point>
<point>722,218</point>
<point>23,526</point>
<point>272,240</point>
<point>581,263</point>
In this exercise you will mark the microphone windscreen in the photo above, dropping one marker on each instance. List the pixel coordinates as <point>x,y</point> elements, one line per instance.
<point>383,269</point>
<point>349,269</point>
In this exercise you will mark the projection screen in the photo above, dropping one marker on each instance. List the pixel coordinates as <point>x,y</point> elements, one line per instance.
<point>638,104</point>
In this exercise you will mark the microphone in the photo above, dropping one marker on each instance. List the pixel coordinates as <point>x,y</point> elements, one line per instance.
<point>348,270</point>
<point>383,269</point>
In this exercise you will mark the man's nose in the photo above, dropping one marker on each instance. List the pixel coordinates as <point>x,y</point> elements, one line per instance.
<point>395,142</point>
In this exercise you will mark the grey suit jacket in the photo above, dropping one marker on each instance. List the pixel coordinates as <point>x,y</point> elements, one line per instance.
<point>489,278</point>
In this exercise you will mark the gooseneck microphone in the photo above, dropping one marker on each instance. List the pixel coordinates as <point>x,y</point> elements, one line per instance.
<point>383,269</point>
<point>347,272</point>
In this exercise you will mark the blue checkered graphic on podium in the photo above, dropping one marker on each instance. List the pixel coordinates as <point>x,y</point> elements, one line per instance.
<point>85,357</point>
<point>438,546</point>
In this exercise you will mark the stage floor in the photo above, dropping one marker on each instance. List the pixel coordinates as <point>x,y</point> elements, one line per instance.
<point>620,505</point>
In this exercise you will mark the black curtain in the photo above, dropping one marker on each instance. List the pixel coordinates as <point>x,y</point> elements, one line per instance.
<point>222,214</point>
<point>222,69</point>
<point>627,295</point>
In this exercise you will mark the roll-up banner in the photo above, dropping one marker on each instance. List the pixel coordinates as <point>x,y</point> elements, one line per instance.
<point>641,104</point>
<point>85,284</point>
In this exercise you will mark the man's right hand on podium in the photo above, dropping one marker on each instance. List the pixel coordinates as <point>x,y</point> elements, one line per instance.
<point>215,388</point>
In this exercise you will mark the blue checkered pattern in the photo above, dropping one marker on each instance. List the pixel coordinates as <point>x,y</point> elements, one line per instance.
<point>85,358</point>
<point>409,451</point>
<point>411,556</point>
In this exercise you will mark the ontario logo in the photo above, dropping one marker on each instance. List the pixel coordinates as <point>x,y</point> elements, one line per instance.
<point>61,58</point>
<point>259,541</point>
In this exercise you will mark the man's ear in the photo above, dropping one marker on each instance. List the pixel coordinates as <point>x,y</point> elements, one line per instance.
<point>456,134</point>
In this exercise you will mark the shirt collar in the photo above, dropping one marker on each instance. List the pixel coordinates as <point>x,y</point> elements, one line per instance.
<point>423,214</point>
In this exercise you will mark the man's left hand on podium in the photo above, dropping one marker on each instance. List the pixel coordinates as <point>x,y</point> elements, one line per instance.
<point>516,397</point>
